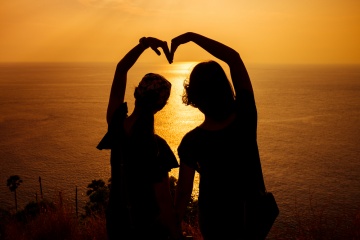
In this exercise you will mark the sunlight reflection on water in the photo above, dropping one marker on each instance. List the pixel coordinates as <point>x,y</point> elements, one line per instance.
<point>53,116</point>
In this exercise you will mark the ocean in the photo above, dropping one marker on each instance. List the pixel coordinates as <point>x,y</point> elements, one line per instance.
<point>52,115</point>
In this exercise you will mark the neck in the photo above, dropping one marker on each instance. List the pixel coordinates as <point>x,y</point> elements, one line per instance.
<point>213,125</point>
<point>142,120</point>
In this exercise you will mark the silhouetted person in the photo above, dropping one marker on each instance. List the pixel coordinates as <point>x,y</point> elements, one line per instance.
<point>223,149</point>
<point>140,204</point>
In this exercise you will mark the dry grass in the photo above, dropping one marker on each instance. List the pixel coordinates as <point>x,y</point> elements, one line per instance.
<point>192,230</point>
<point>62,223</point>
<point>58,222</point>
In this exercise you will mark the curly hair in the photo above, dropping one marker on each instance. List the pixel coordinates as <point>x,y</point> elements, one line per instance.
<point>209,89</point>
<point>151,95</point>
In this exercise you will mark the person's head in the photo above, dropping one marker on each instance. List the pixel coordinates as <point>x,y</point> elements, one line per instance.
<point>152,93</point>
<point>209,90</point>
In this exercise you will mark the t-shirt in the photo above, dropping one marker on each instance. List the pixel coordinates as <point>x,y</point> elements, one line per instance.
<point>227,160</point>
<point>134,170</point>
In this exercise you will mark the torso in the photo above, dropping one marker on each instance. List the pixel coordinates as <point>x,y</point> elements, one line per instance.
<point>212,125</point>
<point>226,156</point>
<point>140,170</point>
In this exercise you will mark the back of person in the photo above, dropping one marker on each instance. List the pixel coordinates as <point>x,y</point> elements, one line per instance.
<point>133,208</point>
<point>229,167</point>
<point>223,149</point>
<point>136,165</point>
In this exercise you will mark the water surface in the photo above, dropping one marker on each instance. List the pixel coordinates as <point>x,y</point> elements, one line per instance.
<point>53,115</point>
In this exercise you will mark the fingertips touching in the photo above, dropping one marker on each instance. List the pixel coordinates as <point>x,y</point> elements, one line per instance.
<point>167,52</point>
<point>156,51</point>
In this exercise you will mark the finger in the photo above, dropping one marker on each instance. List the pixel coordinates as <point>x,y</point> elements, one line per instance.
<point>173,49</point>
<point>167,52</point>
<point>156,51</point>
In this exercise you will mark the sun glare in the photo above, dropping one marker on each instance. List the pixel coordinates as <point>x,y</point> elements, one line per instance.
<point>183,68</point>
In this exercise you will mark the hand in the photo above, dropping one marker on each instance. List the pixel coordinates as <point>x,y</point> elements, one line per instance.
<point>155,43</point>
<point>177,41</point>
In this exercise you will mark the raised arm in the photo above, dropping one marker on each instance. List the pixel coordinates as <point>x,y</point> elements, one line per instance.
<point>118,87</point>
<point>239,74</point>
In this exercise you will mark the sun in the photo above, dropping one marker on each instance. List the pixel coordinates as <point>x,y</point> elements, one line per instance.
<point>183,68</point>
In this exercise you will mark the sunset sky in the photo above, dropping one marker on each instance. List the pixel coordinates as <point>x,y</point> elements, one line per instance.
<point>262,31</point>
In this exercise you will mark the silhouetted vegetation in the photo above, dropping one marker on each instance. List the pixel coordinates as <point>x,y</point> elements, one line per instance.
<point>56,221</point>
<point>13,183</point>
<point>98,193</point>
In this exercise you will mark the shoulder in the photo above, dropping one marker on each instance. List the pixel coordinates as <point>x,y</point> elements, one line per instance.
<point>192,134</point>
<point>166,156</point>
<point>164,148</point>
<point>190,139</point>
<point>161,141</point>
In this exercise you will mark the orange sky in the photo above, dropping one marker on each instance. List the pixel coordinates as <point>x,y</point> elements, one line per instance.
<point>263,31</point>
